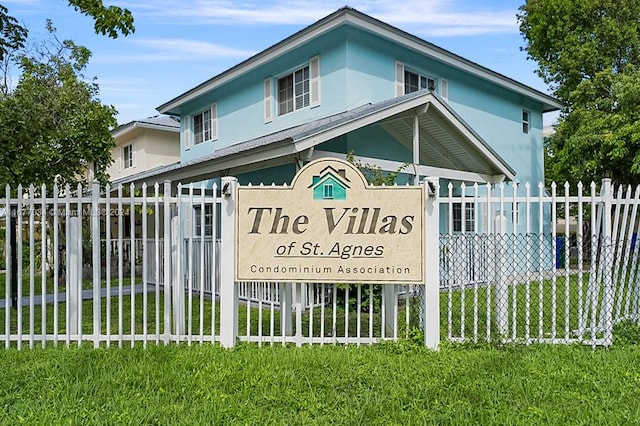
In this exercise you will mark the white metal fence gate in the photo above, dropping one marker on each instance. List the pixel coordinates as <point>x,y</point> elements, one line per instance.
<point>117,266</point>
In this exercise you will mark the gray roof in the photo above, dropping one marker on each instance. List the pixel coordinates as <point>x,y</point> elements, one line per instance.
<point>349,16</point>
<point>289,137</point>
<point>158,122</point>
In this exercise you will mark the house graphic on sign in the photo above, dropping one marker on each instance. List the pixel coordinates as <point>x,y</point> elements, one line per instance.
<point>330,184</point>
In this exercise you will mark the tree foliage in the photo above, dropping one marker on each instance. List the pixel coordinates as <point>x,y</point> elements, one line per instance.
<point>588,51</point>
<point>12,35</point>
<point>52,125</point>
<point>111,21</point>
<point>374,174</point>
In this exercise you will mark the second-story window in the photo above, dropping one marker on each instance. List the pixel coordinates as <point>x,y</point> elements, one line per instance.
<point>293,91</point>
<point>127,156</point>
<point>414,82</point>
<point>202,127</point>
<point>407,81</point>
<point>525,122</point>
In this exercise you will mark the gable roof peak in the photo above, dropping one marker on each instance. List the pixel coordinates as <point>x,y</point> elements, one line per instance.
<point>347,15</point>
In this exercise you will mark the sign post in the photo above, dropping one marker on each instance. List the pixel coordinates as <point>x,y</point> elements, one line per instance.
<point>331,226</point>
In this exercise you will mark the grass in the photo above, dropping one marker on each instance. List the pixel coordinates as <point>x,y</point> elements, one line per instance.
<point>463,322</point>
<point>120,318</point>
<point>398,383</point>
<point>390,383</point>
<point>554,308</point>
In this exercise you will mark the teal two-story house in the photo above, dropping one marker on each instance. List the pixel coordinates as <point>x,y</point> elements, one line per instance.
<point>351,83</point>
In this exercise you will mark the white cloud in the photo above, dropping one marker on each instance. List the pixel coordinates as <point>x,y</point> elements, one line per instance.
<point>172,50</point>
<point>193,47</point>
<point>430,17</point>
<point>235,13</point>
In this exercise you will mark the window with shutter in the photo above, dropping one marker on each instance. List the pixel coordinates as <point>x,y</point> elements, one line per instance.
<point>297,90</point>
<point>399,78</point>
<point>205,125</point>
<point>314,66</point>
<point>444,89</point>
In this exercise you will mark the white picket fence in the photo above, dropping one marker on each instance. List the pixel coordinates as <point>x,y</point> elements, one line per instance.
<point>247,291</point>
<point>137,266</point>
<point>115,284</point>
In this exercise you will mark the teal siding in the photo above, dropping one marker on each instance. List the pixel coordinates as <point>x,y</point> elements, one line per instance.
<point>356,68</point>
<point>274,175</point>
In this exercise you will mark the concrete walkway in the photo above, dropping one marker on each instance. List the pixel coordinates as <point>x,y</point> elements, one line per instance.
<point>86,295</point>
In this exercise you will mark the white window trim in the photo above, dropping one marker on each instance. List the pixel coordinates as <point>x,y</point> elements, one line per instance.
<point>125,160</point>
<point>420,78</point>
<point>327,191</point>
<point>271,100</point>
<point>400,70</point>
<point>190,133</point>
<point>293,100</point>
<point>526,122</point>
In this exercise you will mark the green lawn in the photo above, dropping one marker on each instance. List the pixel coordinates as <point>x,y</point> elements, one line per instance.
<point>390,383</point>
<point>397,383</point>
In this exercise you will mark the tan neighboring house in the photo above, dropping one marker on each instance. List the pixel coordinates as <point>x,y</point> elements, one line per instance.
<point>142,145</point>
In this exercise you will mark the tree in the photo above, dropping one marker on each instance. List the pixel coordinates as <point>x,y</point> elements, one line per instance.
<point>12,35</point>
<point>589,53</point>
<point>53,126</point>
<point>111,21</point>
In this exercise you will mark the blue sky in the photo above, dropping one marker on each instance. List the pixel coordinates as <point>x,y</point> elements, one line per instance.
<point>178,44</point>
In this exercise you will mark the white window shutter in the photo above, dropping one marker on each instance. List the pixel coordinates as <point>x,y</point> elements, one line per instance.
<point>187,132</point>
<point>444,89</point>
<point>399,78</point>
<point>133,154</point>
<point>214,121</point>
<point>314,81</point>
<point>268,101</point>
<point>119,160</point>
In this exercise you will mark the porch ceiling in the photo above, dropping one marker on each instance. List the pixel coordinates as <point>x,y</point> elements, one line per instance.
<point>443,143</point>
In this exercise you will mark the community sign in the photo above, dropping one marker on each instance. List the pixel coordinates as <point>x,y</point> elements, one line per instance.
<point>330,226</point>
